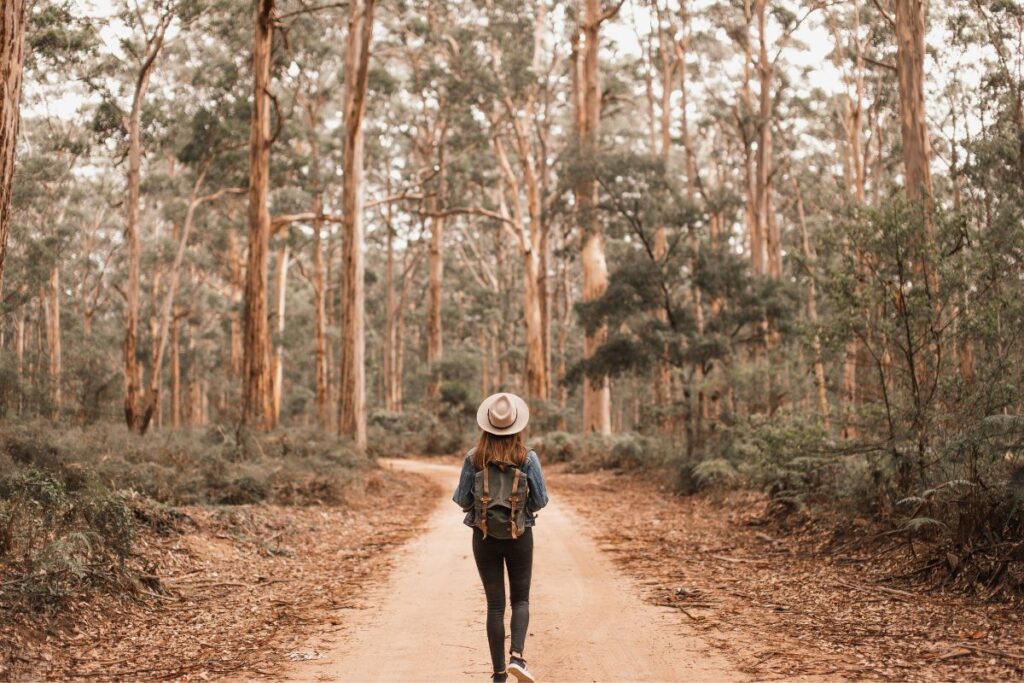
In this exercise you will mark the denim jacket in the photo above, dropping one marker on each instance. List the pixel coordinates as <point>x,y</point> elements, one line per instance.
<point>537,498</point>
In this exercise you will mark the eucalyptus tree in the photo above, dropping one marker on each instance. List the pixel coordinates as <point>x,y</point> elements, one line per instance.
<point>587,108</point>
<point>13,21</point>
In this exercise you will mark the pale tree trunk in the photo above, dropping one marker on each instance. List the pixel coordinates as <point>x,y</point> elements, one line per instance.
<point>53,334</point>
<point>812,310</point>
<point>528,239</point>
<point>132,370</point>
<point>854,162</point>
<point>596,393</point>
<point>236,287</point>
<point>390,338</point>
<point>751,219</point>
<point>682,47</point>
<point>192,401</point>
<point>175,371</point>
<point>435,267</point>
<point>352,385</point>
<point>280,295</point>
<point>12,59</point>
<point>152,416</point>
<point>320,318</point>
<point>19,354</point>
<point>152,402</point>
<point>767,226</point>
<point>660,139</point>
<point>257,382</point>
<point>485,362</point>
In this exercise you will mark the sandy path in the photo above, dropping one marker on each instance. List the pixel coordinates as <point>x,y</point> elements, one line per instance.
<point>587,621</point>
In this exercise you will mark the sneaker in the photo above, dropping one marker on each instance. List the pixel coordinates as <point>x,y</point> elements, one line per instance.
<point>499,677</point>
<point>517,667</point>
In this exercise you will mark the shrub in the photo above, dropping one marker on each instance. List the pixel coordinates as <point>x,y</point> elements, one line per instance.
<point>56,542</point>
<point>182,467</point>
<point>556,446</point>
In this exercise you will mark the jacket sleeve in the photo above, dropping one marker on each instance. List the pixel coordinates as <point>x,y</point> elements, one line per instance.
<point>463,496</point>
<point>538,496</point>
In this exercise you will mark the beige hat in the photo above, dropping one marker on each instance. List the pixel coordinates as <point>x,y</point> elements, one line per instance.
<point>503,414</point>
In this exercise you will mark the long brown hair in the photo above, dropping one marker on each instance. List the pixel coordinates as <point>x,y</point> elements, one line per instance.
<point>493,448</point>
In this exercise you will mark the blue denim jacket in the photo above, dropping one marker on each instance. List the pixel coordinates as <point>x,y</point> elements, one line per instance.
<point>537,498</point>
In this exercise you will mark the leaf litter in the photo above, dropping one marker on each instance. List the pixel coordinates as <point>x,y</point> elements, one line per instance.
<point>782,598</point>
<point>238,591</point>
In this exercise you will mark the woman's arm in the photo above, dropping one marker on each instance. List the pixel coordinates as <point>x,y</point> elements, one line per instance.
<point>463,496</point>
<point>538,496</point>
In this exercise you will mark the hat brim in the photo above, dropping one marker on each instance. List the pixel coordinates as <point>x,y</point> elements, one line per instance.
<point>522,415</point>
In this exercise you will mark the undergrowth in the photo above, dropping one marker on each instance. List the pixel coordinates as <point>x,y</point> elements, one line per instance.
<point>73,500</point>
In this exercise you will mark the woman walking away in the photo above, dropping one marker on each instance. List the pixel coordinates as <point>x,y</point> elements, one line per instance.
<point>500,490</point>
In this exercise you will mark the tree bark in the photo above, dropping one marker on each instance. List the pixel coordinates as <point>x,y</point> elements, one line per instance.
<point>596,392</point>
<point>812,310</point>
<point>257,382</point>
<point>280,297</point>
<point>352,403</point>
<point>435,268</point>
<point>12,59</point>
<point>53,334</point>
<point>175,371</point>
<point>320,319</point>
<point>132,369</point>
<point>767,226</point>
<point>910,29</point>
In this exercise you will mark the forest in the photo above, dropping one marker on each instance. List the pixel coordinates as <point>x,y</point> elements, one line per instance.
<point>739,248</point>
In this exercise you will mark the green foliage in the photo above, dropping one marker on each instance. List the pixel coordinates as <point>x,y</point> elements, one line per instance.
<point>61,535</point>
<point>594,451</point>
<point>295,467</point>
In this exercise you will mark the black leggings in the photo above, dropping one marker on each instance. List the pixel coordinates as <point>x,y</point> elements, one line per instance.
<point>492,556</point>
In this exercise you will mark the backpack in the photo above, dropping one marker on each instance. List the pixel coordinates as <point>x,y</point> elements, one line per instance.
<point>499,500</point>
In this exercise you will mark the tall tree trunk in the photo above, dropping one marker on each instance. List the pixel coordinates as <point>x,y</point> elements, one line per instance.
<point>767,226</point>
<point>435,268</point>
<point>236,287</point>
<point>257,382</point>
<point>279,297</point>
<point>746,113</point>
<point>166,312</point>
<point>352,404</point>
<point>390,339</point>
<point>53,334</point>
<point>909,26</point>
<point>19,355</point>
<point>596,393</point>
<point>320,318</point>
<point>12,59</point>
<point>132,369</point>
<point>812,309</point>
<point>529,242</point>
<point>175,370</point>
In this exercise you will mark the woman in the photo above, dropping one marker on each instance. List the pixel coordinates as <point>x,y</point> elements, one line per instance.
<point>500,490</point>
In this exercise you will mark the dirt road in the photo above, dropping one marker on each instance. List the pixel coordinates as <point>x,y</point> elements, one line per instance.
<point>587,623</point>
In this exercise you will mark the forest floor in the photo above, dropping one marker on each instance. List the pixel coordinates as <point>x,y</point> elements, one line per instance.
<point>236,591</point>
<point>630,583</point>
<point>587,620</point>
<point>794,597</point>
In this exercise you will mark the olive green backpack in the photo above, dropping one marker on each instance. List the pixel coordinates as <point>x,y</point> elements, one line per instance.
<point>499,499</point>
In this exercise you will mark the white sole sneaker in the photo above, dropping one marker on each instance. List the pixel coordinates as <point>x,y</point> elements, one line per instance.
<point>520,673</point>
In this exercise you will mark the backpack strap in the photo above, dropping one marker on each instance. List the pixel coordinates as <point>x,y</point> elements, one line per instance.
<point>485,501</point>
<point>513,500</point>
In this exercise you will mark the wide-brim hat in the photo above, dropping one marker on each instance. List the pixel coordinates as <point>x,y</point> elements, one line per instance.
<point>503,414</point>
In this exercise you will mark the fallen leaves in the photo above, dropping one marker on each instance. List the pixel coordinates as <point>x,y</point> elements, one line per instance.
<point>240,592</point>
<point>782,601</point>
